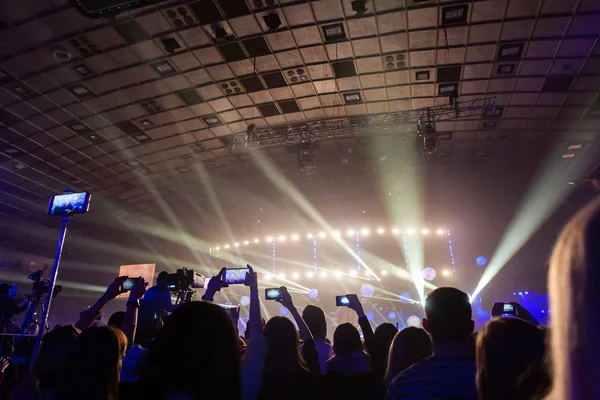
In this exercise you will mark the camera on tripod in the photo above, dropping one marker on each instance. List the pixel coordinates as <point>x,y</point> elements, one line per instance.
<point>183,282</point>
<point>40,286</point>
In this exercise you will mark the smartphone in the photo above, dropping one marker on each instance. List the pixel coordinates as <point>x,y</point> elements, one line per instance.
<point>128,283</point>
<point>69,203</point>
<point>508,308</point>
<point>341,301</point>
<point>234,276</point>
<point>273,294</point>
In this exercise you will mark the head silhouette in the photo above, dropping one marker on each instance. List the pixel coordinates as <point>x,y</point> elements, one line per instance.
<point>448,316</point>
<point>346,339</point>
<point>410,345</point>
<point>315,320</point>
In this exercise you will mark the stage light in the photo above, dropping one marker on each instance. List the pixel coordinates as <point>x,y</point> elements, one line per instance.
<point>217,248</point>
<point>520,293</point>
<point>281,276</point>
<point>237,245</point>
<point>395,231</point>
<point>282,238</point>
<point>429,274</point>
<point>526,292</point>
<point>410,231</point>
<point>322,235</point>
<point>369,273</point>
<point>323,274</point>
<point>337,234</point>
<point>405,297</point>
<point>481,261</point>
<point>384,272</point>
<point>338,274</point>
<point>425,231</point>
<point>381,231</point>
<point>256,240</point>
<point>295,237</point>
<point>364,232</point>
<point>269,277</point>
<point>310,275</point>
<point>446,272</point>
<point>353,272</point>
<point>269,239</point>
<point>350,232</point>
<point>392,315</point>
<point>246,243</point>
<point>413,320</point>
<point>313,293</point>
<point>367,290</point>
<point>226,246</point>
<point>440,231</point>
<point>245,300</point>
<point>309,236</point>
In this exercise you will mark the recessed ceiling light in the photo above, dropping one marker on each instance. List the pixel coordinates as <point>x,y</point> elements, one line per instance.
<point>21,90</point>
<point>142,137</point>
<point>510,51</point>
<point>163,67</point>
<point>455,14</point>
<point>334,32</point>
<point>82,70</point>
<point>352,98</point>
<point>94,138</point>
<point>78,127</point>
<point>506,69</point>
<point>422,75</point>
<point>212,120</point>
<point>133,163</point>
<point>80,91</point>
<point>569,155</point>
<point>575,146</point>
<point>184,170</point>
<point>11,151</point>
<point>146,123</point>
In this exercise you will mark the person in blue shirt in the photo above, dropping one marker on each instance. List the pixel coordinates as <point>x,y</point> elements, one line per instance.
<point>155,304</point>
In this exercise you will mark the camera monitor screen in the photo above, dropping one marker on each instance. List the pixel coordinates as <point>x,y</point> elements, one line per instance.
<point>69,203</point>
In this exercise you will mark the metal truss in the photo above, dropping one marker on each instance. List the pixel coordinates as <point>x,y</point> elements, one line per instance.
<point>356,126</point>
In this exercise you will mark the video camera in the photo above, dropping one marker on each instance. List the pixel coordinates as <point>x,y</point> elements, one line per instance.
<point>185,279</point>
<point>40,286</point>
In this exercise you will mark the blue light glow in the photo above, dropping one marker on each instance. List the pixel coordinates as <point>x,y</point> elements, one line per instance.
<point>481,261</point>
<point>520,293</point>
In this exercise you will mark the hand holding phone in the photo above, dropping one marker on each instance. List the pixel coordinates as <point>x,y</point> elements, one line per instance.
<point>273,294</point>
<point>342,301</point>
<point>235,276</point>
<point>499,309</point>
<point>128,284</point>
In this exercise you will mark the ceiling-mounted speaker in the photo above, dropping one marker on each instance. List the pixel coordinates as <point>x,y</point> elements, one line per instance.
<point>272,21</point>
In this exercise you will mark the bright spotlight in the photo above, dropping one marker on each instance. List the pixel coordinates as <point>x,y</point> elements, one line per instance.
<point>310,275</point>
<point>269,239</point>
<point>338,274</point>
<point>313,293</point>
<point>281,276</point>
<point>369,273</point>
<point>446,272</point>
<point>337,234</point>
<point>367,290</point>
<point>395,231</point>
<point>425,231</point>
<point>381,231</point>
<point>384,272</point>
<point>217,248</point>
<point>481,261</point>
<point>296,275</point>
<point>309,236</point>
<point>226,246</point>
<point>429,274</point>
<point>282,238</point>
<point>364,232</point>
<point>256,240</point>
<point>295,237</point>
<point>246,243</point>
<point>350,232</point>
<point>353,272</point>
<point>237,245</point>
<point>440,231</point>
<point>520,293</point>
<point>322,235</point>
<point>323,274</point>
<point>269,277</point>
<point>245,300</point>
<point>413,320</point>
<point>410,231</point>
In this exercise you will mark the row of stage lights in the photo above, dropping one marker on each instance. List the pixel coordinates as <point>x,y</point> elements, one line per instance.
<point>338,274</point>
<point>322,235</point>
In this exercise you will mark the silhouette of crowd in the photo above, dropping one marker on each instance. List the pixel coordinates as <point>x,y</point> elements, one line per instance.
<point>197,353</point>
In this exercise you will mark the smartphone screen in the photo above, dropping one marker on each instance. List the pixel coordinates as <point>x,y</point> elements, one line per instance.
<point>341,301</point>
<point>69,203</point>
<point>235,276</point>
<point>273,294</point>
<point>508,308</point>
<point>128,283</point>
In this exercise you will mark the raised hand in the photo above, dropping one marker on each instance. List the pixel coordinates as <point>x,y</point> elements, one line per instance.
<point>115,288</point>
<point>286,298</point>
<point>251,278</point>
<point>356,305</point>
<point>214,285</point>
<point>139,289</point>
<point>3,364</point>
